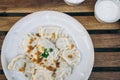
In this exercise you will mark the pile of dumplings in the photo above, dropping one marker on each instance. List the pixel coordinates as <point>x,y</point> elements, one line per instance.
<point>57,64</point>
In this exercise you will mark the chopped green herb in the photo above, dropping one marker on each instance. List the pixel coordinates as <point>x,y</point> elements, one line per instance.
<point>51,50</point>
<point>46,52</point>
<point>45,55</point>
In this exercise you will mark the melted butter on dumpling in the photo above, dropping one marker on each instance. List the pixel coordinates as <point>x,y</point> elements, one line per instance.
<point>21,63</point>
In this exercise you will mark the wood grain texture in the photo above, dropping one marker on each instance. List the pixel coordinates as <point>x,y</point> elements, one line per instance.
<point>99,40</point>
<point>2,77</point>
<point>37,5</point>
<point>89,22</point>
<point>94,76</point>
<point>106,40</point>
<point>7,22</point>
<point>107,59</point>
<point>103,59</point>
<point>105,76</point>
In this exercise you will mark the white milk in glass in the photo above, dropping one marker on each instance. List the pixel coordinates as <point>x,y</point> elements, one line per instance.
<point>107,10</point>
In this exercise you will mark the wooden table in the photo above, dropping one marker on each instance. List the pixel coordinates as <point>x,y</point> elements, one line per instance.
<point>106,37</point>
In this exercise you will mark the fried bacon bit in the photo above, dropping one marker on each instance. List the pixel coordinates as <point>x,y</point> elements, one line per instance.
<point>34,60</point>
<point>37,53</point>
<point>53,75</point>
<point>70,56</point>
<point>38,60</point>
<point>72,46</point>
<point>30,48</point>
<point>51,68</point>
<point>37,34</point>
<point>41,64</point>
<point>57,64</point>
<point>23,68</point>
<point>31,40</point>
<point>53,35</point>
<point>28,51</point>
<point>45,60</point>
<point>26,75</point>
<point>31,55</point>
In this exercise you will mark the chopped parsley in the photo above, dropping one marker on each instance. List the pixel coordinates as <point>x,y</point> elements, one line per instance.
<point>46,52</point>
<point>50,50</point>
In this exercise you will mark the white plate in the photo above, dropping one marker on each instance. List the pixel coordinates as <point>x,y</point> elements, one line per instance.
<point>31,22</point>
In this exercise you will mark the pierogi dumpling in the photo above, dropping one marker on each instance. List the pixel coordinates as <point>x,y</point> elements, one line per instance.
<point>63,43</point>
<point>72,57</point>
<point>42,74</point>
<point>28,41</point>
<point>45,43</point>
<point>21,63</point>
<point>49,32</point>
<point>64,70</point>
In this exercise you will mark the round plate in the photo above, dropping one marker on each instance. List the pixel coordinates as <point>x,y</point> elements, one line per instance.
<point>32,22</point>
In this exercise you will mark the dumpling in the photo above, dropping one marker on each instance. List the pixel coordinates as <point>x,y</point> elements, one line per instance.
<point>45,43</point>
<point>28,42</point>
<point>21,63</point>
<point>63,34</point>
<point>42,74</point>
<point>64,71</point>
<point>50,33</point>
<point>72,57</point>
<point>63,43</point>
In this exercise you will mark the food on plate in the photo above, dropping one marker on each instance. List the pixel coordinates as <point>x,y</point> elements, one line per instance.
<point>49,54</point>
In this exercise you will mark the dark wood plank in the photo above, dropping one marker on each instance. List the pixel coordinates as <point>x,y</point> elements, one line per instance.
<point>107,59</point>
<point>37,5</point>
<point>106,40</point>
<point>2,36</point>
<point>105,76</point>
<point>2,77</point>
<point>7,22</point>
<point>89,22</point>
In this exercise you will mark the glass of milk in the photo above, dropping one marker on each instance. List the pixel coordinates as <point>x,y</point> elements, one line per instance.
<point>107,10</point>
<point>73,2</point>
